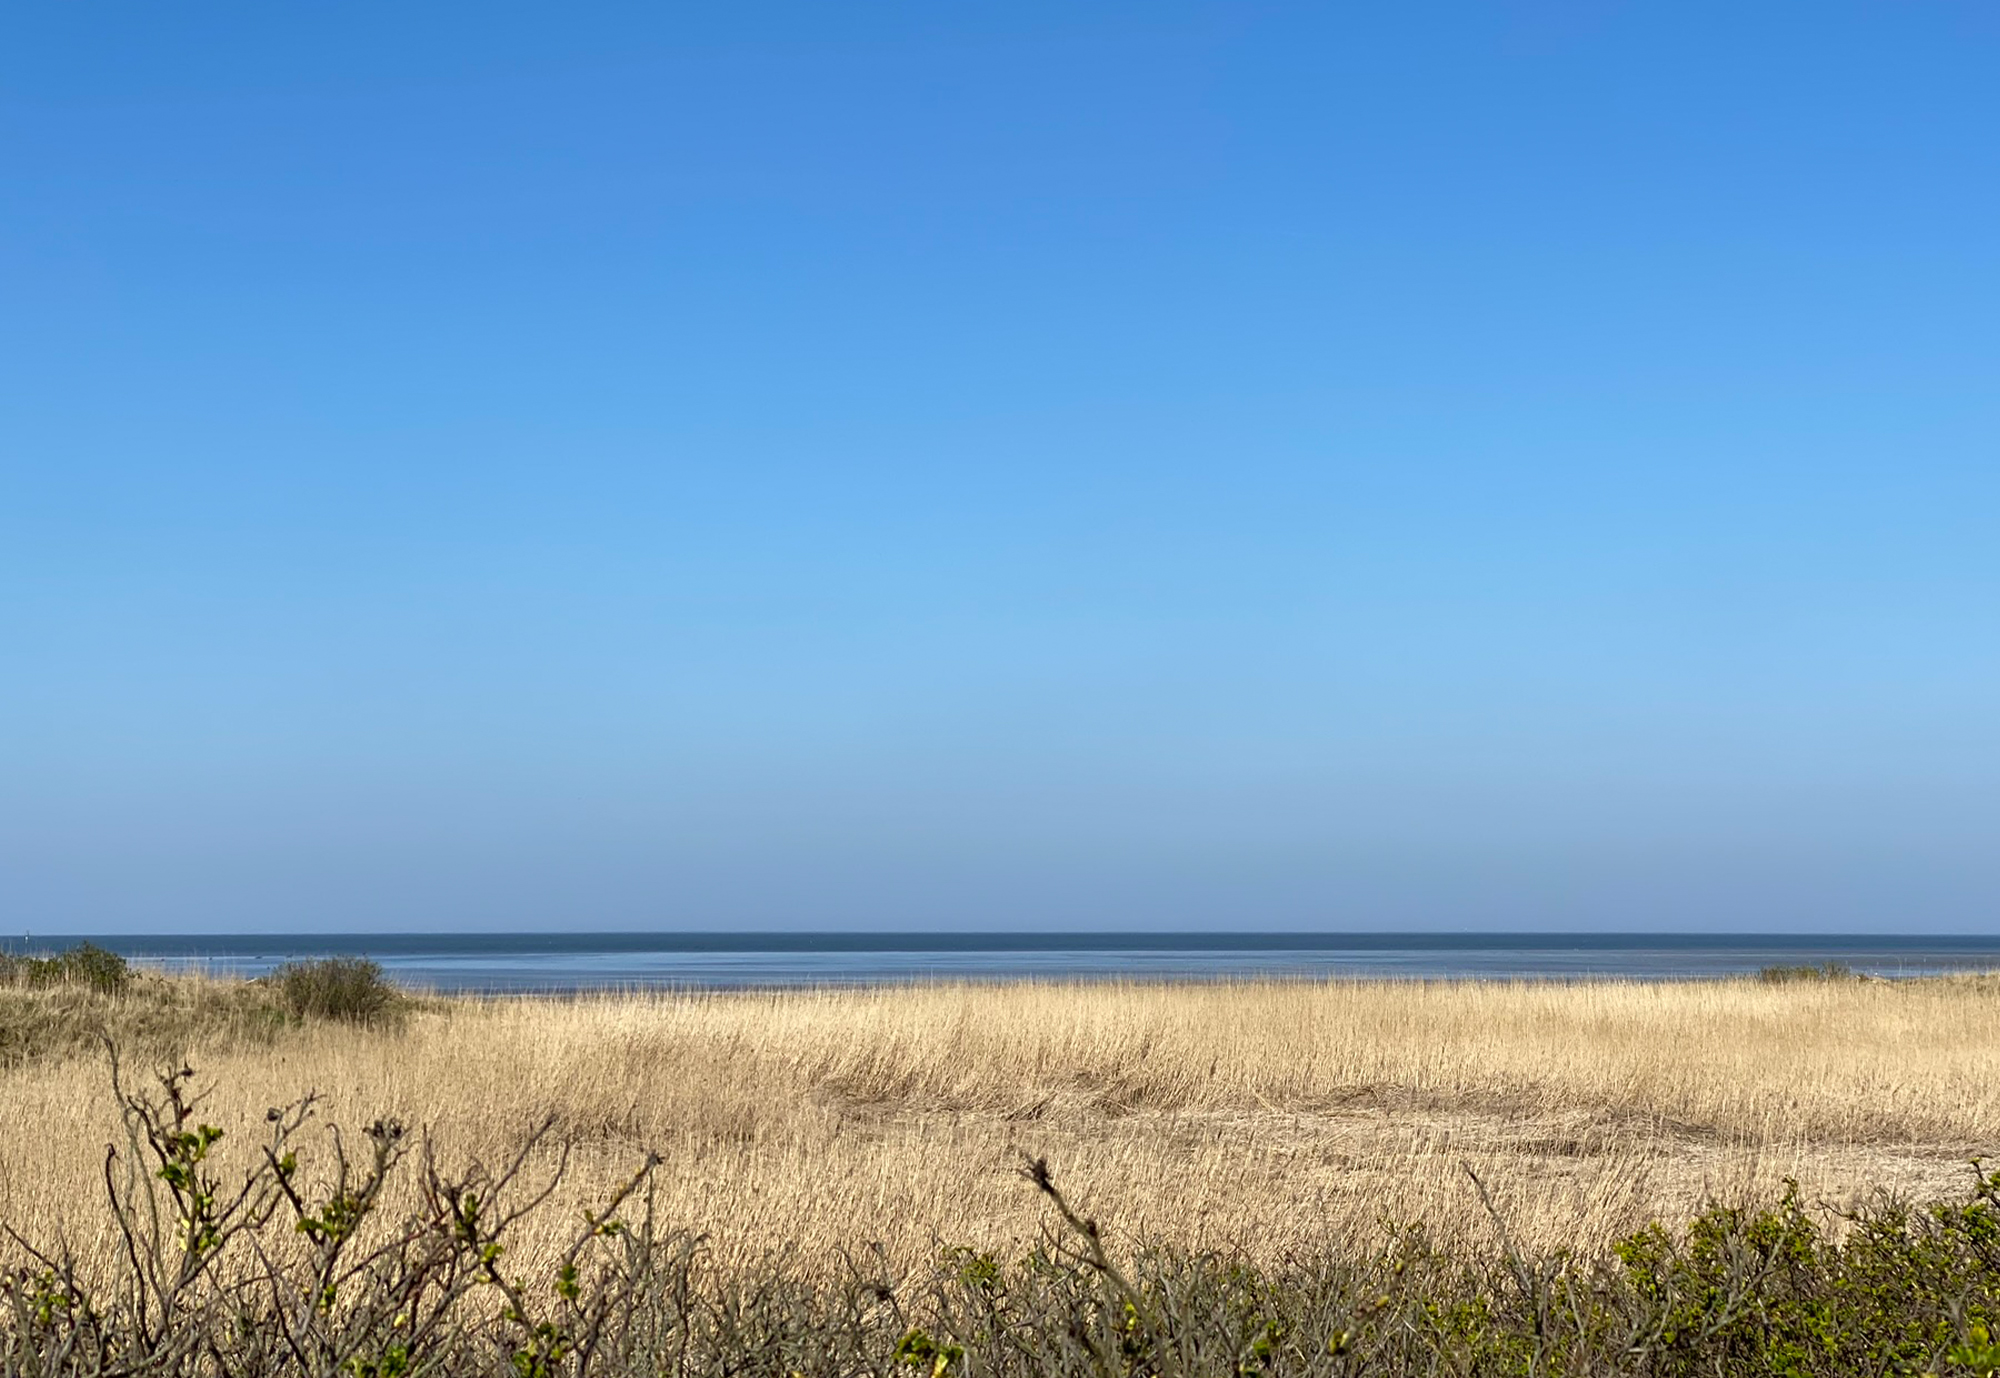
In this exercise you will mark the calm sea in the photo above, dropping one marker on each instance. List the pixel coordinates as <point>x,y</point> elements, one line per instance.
<point>557,962</point>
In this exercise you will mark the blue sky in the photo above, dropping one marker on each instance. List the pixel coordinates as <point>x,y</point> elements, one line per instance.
<point>1460,466</point>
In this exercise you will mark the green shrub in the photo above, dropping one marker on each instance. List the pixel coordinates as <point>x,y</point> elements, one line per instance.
<point>86,964</point>
<point>1825,971</point>
<point>346,988</point>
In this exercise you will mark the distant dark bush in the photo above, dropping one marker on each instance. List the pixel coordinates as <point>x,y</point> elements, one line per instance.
<point>86,964</point>
<point>347,988</point>
<point>1825,971</point>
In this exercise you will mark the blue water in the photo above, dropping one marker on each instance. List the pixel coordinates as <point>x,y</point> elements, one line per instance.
<point>562,962</point>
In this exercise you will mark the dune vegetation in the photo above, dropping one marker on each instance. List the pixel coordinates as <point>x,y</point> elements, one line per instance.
<point>823,1131</point>
<point>1258,1113</point>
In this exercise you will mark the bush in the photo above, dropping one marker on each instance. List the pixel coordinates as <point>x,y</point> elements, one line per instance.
<point>1825,971</point>
<point>86,964</point>
<point>346,988</point>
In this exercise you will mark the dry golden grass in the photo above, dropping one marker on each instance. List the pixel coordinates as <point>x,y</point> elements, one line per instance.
<point>1265,1114</point>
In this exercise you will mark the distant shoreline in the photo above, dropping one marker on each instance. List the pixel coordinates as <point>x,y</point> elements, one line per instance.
<point>578,963</point>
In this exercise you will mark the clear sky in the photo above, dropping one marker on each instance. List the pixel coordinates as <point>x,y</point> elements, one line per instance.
<point>958,465</point>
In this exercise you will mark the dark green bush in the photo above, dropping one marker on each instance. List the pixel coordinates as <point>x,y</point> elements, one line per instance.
<point>346,988</point>
<point>86,964</point>
<point>1824,971</point>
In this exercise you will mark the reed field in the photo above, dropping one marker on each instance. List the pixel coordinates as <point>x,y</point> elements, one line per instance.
<point>1261,1115</point>
<point>315,1175</point>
